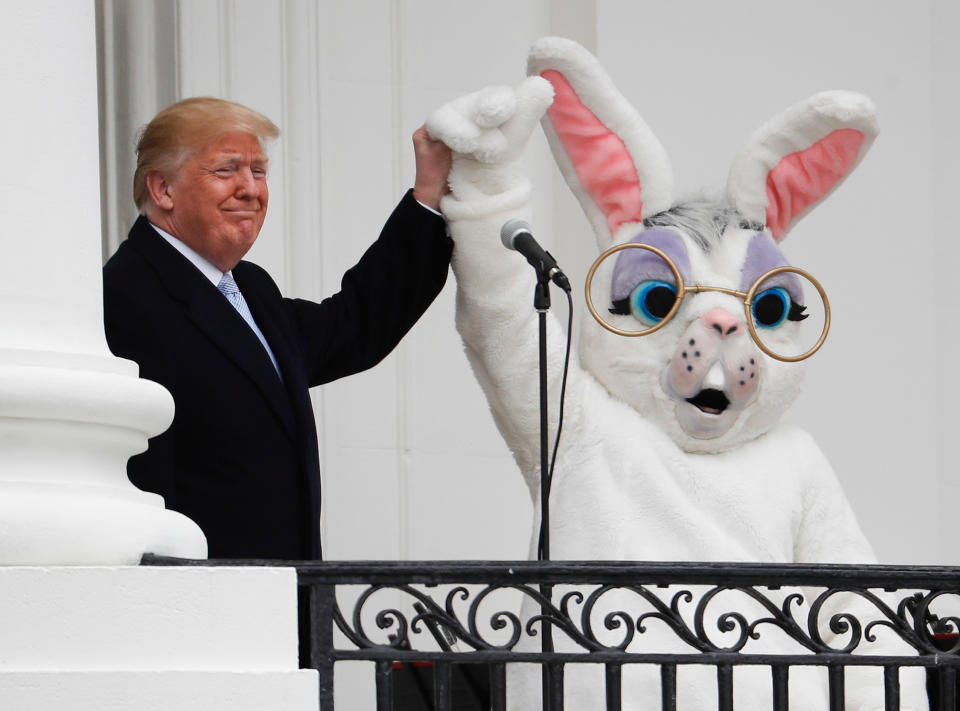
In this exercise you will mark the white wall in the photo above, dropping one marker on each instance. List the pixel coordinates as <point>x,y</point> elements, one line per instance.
<point>945,140</point>
<point>413,465</point>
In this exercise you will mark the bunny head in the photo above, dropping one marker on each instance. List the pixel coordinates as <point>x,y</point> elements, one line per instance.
<point>706,369</point>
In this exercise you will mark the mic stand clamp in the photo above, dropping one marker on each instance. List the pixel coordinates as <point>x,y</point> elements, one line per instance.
<point>541,297</point>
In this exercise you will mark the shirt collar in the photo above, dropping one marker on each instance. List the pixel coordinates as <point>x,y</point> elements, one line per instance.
<point>204,265</point>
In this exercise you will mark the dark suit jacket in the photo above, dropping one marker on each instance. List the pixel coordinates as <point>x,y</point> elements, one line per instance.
<point>241,456</point>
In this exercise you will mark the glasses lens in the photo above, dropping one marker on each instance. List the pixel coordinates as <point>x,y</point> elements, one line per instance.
<point>633,290</point>
<point>788,314</point>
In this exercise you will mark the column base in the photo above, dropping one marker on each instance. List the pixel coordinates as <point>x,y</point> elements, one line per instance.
<point>67,427</point>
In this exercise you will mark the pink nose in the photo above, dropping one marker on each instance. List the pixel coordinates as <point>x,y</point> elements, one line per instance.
<point>723,322</point>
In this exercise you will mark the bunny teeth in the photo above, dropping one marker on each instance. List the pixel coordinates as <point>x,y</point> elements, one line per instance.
<point>716,378</point>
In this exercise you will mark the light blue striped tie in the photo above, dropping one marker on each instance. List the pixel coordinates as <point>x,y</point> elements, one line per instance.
<point>228,287</point>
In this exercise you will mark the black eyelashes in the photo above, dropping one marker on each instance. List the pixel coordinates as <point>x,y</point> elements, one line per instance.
<point>621,307</point>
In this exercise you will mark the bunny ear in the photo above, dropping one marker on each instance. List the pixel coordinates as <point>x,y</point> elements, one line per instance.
<point>799,157</point>
<point>611,160</point>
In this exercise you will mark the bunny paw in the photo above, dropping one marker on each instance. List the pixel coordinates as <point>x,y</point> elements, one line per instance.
<point>492,125</point>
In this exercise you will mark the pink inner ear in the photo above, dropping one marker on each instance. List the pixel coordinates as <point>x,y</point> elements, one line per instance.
<point>603,165</point>
<point>802,178</point>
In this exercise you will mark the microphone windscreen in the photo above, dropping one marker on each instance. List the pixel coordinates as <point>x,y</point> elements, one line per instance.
<point>510,230</point>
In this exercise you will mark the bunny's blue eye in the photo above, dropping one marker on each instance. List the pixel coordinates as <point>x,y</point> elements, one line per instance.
<point>649,302</point>
<point>772,307</point>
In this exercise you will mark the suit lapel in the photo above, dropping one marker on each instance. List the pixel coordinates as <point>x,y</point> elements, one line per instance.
<point>266,306</point>
<point>267,311</point>
<point>216,319</point>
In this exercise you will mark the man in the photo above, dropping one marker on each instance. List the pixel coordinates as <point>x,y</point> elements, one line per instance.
<point>241,456</point>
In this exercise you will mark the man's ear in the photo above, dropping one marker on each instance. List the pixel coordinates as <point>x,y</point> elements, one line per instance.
<point>160,190</point>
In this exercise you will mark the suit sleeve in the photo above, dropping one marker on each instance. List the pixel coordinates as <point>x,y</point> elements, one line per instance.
<point>380,298</point>
<point>132,334</point>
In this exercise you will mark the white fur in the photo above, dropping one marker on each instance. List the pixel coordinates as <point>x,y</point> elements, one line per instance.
<point>632,482</point>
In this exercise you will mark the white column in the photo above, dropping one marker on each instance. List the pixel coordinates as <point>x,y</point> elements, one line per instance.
<point>71,414</point>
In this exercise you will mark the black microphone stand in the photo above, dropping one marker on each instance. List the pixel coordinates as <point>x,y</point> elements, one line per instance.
<point>541,302</point>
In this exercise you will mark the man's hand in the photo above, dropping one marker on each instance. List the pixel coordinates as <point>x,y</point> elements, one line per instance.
<point>433,165</point>
<point>488,131</point>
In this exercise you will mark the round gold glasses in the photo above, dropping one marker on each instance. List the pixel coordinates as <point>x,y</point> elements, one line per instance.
<point>786,309</point>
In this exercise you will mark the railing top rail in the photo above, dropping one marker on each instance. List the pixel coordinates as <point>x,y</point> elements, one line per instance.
<point>606,572</point>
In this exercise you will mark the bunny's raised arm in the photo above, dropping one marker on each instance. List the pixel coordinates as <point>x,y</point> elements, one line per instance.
<point>487,132</point>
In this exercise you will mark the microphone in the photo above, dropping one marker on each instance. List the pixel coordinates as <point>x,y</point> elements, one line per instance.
<point>516,235</point>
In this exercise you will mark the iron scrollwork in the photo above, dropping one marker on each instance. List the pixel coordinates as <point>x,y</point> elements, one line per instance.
<point>615,617</point>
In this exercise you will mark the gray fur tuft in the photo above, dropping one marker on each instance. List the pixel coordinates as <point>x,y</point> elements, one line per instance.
<point>704,220</point>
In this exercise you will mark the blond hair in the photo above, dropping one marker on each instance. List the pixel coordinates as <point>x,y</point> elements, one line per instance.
<point>183,128</point>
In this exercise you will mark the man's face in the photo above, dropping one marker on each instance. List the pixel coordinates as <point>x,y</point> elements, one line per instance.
<point>218,199</point>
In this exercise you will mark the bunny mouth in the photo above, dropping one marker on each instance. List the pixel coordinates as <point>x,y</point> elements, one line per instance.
<point>710,401</point>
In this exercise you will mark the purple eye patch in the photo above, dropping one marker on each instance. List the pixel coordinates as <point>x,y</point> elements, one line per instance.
<point>762,256</point>
<point>634,266</point>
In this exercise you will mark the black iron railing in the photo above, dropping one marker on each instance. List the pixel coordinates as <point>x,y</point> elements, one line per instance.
<point>456,626</point>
